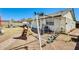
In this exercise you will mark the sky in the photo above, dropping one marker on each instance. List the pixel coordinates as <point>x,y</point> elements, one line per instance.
<point>20,13</point>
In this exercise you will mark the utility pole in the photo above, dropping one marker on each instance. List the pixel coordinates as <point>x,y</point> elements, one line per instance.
<point>38,29</point>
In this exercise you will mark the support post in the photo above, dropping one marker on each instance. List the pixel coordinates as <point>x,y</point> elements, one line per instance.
<point>38,32</point>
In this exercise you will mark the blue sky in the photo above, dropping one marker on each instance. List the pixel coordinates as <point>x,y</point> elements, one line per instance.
<point>19,13</point>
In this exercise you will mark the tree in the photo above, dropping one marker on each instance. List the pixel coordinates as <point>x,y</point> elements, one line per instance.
<point>29,20</point>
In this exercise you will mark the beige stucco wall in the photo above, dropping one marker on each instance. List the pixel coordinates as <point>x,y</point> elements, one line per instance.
<point>50,20</point>
<point>34,24</point>
<point>68,15</point>
<point>66,22</point>
<point>63,24</point>
<point>58,23</point>
<point>70,23</point>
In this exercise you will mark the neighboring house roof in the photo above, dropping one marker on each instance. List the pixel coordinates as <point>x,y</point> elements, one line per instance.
<point>61,13</point>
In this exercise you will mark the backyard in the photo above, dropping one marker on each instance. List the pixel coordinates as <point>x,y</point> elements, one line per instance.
<point>7,41</point>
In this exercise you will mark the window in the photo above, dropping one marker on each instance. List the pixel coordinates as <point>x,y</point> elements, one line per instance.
<point>50,23</point>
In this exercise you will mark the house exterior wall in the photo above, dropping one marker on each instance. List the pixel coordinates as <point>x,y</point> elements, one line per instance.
<point>58,23</point>
<point>51,26</point>
<point>43,23</point>
<point>63,24</point>
<point>34,24</point>
<point>70,23</point>
<point>68,15</point>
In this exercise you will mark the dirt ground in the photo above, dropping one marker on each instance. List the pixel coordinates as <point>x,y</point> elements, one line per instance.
<point>7,42</point>
<point>9,32</point>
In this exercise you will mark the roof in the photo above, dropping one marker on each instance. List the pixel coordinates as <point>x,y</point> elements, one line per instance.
<point>60,13</point>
